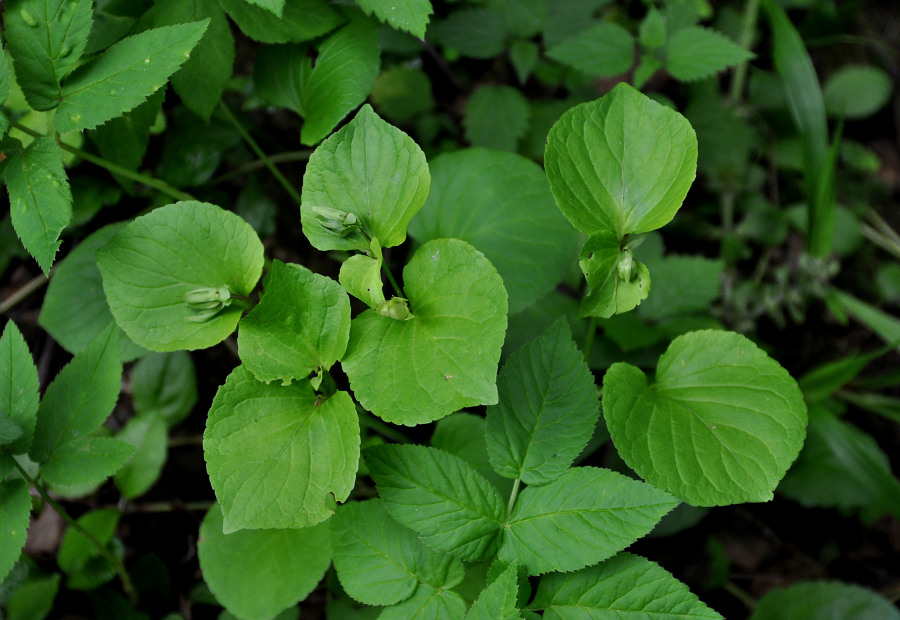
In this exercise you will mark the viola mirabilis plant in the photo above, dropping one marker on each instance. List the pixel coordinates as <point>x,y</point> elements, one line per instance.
<point>718,424</point>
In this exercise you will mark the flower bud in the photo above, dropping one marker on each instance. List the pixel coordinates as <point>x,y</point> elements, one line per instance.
<point>396,308</point>
<point>626,267</point>
<point>206,302</point>
<point>339,222</point>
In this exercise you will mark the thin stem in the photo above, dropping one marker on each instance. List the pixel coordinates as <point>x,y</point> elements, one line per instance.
<point>370,421</point>
<point>512,497</point>
<point>28,289</point>
<point>185,440</point>
<point>198,506</point>
<point>751,15</point>
<point>393,282</point>
<point>740,594</point>
<point>149,181</point>
<point>267,161</point>
<point>127,585</point>
<point>278,158</point>
<point>589,340</point>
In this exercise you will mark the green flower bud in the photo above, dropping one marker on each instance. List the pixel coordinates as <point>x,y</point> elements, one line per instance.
<point>626,267</point>
<point>396,308</point>
<point>339,222</point>
<point>206,302</point>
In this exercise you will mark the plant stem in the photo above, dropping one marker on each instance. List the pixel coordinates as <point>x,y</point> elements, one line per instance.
<point>393,282</point>
<point>29,288</point>
<point>739,593</point>
<point>185,440</point>
<point>512,497</point>
<point>370,421</point>
<point>198,506</point>
<point>589,340</point>
<point>127,585</point>
<point>278,158</point>
<point>149,181</point>
<point>751,15</point>
<point>259,152</point>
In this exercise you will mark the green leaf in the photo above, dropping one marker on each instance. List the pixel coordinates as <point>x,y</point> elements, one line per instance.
<point>46,39</point>
<point>201,80</point>
<point>87,460</point>
<point>445,357</point>
<point>672,276</point>
<point>825,379</point>
<point>39,196</point>
<point>155,261</point>
<point>585,516</point>
<point>653,30</point>
<point>300,325</point>
<point>380,562</point>
<point>80,559</point>
<point>165,383</point>
<point>857,91</point>
<point>360,276</point>
<point>547,412</point>
<point>4,89</point>
<point>625,586</point>
<point>428,603</point>
<point>9,432</point>
<point>463,434</point>
<point>275,454</point>
<point>617,281</point>
<point>75,309</point>
<point>258,573</point>
<point>80,398</point>
<point>346,66</point>
<point>123,76</point>
<point>15,508</point>
<point>147,433</point>
<point>498,600</point>
<point>400,93</point>
<point>622,164</point>
<point>440,496</point>
<point>18,387</point>
<point>193,151</point>
<point>824,600</point>
<point>721,424</point>
<point>300,20</point>
<point>409,15</point>
<point>496,117</point>
<point>605,49</point>
<point>33,599</point>
<point>697,53</point>
<point>477,32</point>
<point>524,57</point>
<point>273,6</point>
<point>885,325</point>
<point>371,170</point>
<point>501,204</point>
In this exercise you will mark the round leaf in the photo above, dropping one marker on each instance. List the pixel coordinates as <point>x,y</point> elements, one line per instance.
<point>721,424</point>
<point>157,259</point>
<point>622,164</point>
<point>501,204</point>
<point>274,453</point>
<point>445,357</point>
<point>857,91</point>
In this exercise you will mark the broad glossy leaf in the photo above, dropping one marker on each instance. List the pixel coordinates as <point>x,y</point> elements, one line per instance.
<point>697,53</point>
<point>440,496</point>
<point>428,603</point>
<point>824,600</point>
<point>201,80</point>
<point>45,39</point>
<point>720,425</point>
<point>625,586</point>
<point>502,205</point>
<point>258,573</point>
<point>39,196</point>
<point>361,277</point>
<point>80,398</point>
<point>123,76</point>
<point>602,50</point>
<point>75,309</point>
<point>547,412</point>
<point>496,117</point>
<point>445,357</point>
<point>155,261</point>
<point>86,460</point>
<point>372,170</point>
<point>18,387</point>
<point>165,384</point>
<point>622,164</point>
<point>301,324</point>
<point>300,20</point>
<point>614,287</point>
<point>274,453</point>
<point>15,508</point>
<point>498,600</point>
<point>585,516</point>
<point>147,433</point>
<point>380,562</point>
<point>409,15</point>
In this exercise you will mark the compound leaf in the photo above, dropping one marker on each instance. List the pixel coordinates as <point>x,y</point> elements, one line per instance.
<point>498,600</point>
<point>372,170</point>
<point>39,196</point>
<point>258,573</point>
<point>440,496</point>
<point>275,7</point>
<point>409,15</point>
<point>445,356</point>
<point>15,508</point>
<point>602,50</point>
<point>157,260</point>
<point>276,453</point>
<point>85,461</point>
<point>300,20</point>
<point>502,205</point>
<point>720,425</point>
<point>696,53</point>
<point>18,387</point>
<point>301,324</point>
<point>627,585</point>
<point>622,164</point>
<point>428,603</point>
<point>547,412</point>
<point>585,516</point>
<point>46,39</point>
<point>123,76</point>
